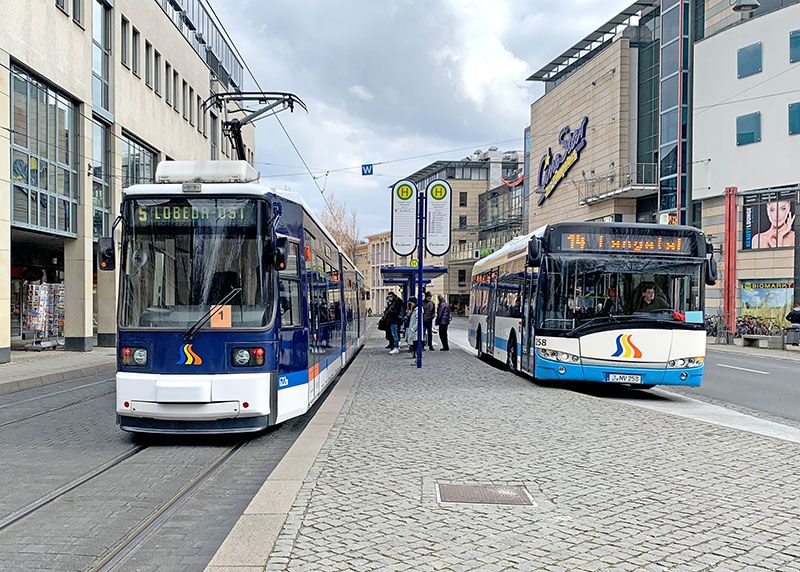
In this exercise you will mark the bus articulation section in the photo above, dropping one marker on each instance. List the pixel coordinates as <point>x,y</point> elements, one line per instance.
<point>236,309</point>
<point>599,302</point>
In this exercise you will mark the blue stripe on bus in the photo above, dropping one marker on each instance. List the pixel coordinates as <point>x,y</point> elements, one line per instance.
<point>501,344</point>
<point>295,378</point>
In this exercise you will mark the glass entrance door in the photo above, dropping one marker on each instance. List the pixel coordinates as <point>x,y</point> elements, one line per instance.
<point>16,308</point>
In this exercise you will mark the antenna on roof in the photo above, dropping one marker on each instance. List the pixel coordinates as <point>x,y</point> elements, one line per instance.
<point>274,101</point>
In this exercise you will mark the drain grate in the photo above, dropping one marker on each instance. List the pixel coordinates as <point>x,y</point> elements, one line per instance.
<point>483,494</point>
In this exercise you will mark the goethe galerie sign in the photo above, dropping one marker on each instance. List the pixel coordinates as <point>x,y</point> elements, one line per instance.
<point>554,168</point>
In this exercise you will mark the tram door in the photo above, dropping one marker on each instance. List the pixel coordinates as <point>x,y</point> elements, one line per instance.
<point>528,319</point>
<point>490,312</point>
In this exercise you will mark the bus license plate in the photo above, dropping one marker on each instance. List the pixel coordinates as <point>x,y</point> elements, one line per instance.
<point>623,378</point>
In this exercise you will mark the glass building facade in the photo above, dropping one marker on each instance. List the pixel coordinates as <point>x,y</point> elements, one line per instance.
<point>138,162</point>
<point>44,157</point>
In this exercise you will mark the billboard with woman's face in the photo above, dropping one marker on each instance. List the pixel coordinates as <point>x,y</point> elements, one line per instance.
<point>769,220</point>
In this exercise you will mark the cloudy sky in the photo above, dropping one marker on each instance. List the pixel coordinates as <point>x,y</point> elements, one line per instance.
<point>392,79</point>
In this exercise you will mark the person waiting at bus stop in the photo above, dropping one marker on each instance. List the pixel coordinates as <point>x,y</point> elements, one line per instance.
<point>395,314</point>
<point>443,321</point>
<point>428,315</point>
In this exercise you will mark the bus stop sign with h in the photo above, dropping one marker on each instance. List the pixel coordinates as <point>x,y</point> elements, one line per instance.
<point>421,219</point>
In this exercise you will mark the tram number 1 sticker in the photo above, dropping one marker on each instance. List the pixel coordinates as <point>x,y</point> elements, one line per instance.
<point>221,317</point>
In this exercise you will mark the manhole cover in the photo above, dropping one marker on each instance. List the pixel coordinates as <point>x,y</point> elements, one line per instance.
<point>483,494</point>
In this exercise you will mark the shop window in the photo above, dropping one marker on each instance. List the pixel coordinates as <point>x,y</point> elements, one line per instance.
<point>794,118</point>
<point>748,129</point>
<point>794,46</point>
<point>749,60</point>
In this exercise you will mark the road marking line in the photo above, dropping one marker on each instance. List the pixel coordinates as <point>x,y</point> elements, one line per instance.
<point>743,369</point>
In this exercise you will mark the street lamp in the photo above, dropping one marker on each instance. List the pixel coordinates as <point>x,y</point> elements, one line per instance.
<point>744,5</point>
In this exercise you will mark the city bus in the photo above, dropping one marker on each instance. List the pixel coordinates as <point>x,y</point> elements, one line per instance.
<point>237,308</point>
<point>597,302</point>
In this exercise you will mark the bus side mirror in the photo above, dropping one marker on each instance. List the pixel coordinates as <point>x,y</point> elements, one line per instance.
<point>280,253</point>
<point>106,258</point>
<point>711,271</point>
<point>534,253</point>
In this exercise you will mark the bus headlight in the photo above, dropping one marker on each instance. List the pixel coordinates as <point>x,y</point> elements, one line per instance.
<point>247,357</point>
<point>140,356</point>
<point>562,357</point>
<point>685,362</point>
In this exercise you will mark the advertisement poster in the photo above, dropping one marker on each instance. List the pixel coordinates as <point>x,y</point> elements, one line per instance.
<point>767,299</point>
<point>769,220</point>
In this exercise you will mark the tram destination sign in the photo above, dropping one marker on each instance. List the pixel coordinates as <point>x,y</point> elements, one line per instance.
<point>404,217</point>
<point>196,213</point>
<point>631,243</point>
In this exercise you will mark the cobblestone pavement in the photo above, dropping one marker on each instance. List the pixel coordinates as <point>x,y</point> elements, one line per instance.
<point>616,487</point>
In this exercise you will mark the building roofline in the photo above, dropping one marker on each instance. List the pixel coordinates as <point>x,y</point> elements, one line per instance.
<point>591,44</point>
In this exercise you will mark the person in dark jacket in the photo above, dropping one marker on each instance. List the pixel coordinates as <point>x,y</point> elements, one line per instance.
<point>428,315</point>
<point>443,321</point>
<point>794,318</point>
<point>395,316</point>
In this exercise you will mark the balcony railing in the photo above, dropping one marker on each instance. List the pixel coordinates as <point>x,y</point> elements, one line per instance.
<point>630,180</point>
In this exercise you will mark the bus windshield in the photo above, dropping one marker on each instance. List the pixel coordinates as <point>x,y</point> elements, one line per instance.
<point>182,255</point>
<point>578,292</point>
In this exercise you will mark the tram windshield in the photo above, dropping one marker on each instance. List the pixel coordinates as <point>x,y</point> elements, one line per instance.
<point>577,293</point>
<point>181,256</point>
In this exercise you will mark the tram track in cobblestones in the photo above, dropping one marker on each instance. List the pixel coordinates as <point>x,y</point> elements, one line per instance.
<point>119,553</point>
<point>52,409</point>
<point>45,500</point>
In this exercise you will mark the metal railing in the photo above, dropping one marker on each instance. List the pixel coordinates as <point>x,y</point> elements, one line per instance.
<point>603,186</point>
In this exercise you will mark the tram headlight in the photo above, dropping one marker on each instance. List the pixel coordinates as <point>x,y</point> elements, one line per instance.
<point>247,357</point>
<point>134,356</point>
<point>241,357</point>
<point>689,362</point>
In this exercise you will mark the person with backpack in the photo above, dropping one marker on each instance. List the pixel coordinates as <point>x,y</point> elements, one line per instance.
<point>395,314</point>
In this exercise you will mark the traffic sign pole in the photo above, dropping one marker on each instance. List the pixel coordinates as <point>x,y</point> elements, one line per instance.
<point>420,272</point>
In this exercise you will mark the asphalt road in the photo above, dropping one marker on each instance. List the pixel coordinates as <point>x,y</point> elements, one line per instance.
<point>759,385</point>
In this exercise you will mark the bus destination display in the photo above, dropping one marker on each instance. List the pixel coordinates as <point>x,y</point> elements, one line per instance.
<point>236,214</point>
<point>630,243</point>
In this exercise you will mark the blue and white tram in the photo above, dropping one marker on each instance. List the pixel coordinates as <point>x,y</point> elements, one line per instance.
<point>237,308</point>
<point>600,302</point>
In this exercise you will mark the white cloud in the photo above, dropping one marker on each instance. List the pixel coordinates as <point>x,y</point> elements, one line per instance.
<point>361,92</point>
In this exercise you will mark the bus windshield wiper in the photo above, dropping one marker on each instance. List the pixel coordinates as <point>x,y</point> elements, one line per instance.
<point>189,334</point>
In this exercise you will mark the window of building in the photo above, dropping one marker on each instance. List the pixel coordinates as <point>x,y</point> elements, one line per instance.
<point>794,118</point>
<point>62,5</point>
<point>135,47</point>
<point>749,60</point>
<point>214,137</point>
<point>138,162</point>
<point>462,199</point>
<point>462,277</point>
<point>794,46</point>
<point>185,100</point>
<point>168,83</point>
<point>101,52</point>
<point>44,158</point>
<point>157,72</point>
<point>200,115</point>
<point>125,40</point>
<point>191,106</point>
<point>101,188</point>
<point>748,128</point>
<point>77,11</point>
<point>176,93</point>
<point>462,221</point>
<point>148,64</point>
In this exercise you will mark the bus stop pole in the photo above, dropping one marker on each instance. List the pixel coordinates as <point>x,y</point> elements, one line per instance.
<point>420,272</point>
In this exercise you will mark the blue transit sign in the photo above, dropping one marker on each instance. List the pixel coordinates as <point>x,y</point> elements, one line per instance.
<point>366,169</point>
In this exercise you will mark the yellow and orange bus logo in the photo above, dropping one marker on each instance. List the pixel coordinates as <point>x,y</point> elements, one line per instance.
<point>626,348</point>
<point>188,356</point>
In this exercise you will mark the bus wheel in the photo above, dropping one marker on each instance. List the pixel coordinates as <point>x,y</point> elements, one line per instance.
<point>479,344</point>
<point>511,359</point>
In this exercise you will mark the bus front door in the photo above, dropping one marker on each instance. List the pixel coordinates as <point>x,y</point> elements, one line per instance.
<point>528,318</point>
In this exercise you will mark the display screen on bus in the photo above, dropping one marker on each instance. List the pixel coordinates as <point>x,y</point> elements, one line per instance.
<point>631,243</point>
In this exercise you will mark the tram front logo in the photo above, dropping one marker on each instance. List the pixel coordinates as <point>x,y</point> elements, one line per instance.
<point>188,356</point>
<point>626,348</point>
